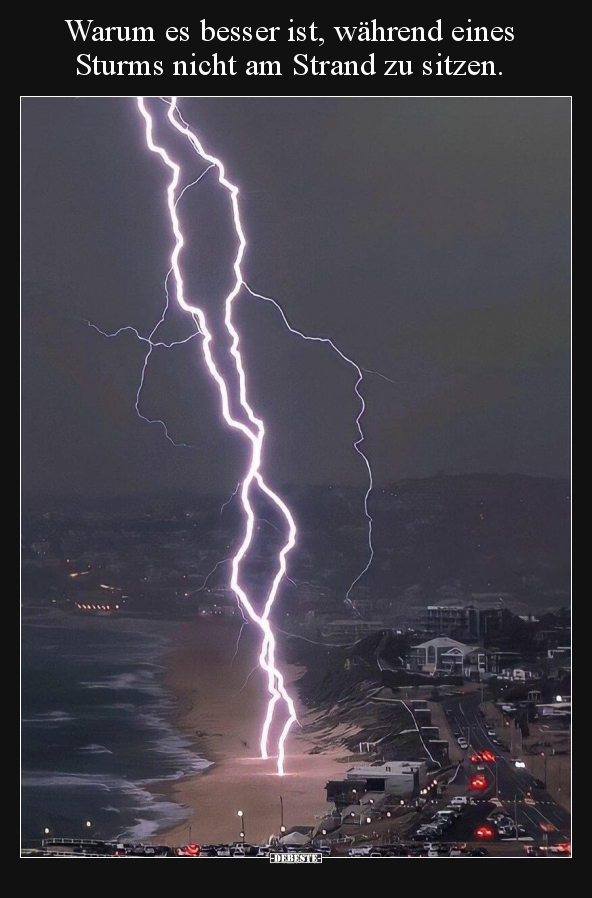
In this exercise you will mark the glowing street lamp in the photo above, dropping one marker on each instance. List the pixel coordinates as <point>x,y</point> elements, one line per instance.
<point>241,816</point>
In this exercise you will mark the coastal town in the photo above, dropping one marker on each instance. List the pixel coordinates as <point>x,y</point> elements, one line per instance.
<point>426,728</point>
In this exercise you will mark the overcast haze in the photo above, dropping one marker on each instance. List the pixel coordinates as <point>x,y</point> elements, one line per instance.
<point>428,237</point>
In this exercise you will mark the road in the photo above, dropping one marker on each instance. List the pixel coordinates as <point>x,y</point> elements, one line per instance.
<point>513,784</point>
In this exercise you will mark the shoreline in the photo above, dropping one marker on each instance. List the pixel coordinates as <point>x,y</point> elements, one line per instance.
<point>220,703</point>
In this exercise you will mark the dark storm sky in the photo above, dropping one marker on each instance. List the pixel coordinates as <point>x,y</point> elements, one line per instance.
<point>428,237</point>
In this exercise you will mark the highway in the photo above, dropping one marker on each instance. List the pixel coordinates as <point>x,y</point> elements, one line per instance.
<point>513,784</point>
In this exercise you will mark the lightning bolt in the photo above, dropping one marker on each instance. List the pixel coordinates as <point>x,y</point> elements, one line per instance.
<point>252,429</point>
<point>359,372</point>
<point>150,339</point>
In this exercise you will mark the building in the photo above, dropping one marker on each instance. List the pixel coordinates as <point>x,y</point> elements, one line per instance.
<point>350,630</point>
<point>403,779</point>
<point>522,672</point>
<point>471,621</point>
<point>448,655</point>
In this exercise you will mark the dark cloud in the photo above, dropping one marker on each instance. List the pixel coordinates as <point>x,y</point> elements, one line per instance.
<point>429,237</point>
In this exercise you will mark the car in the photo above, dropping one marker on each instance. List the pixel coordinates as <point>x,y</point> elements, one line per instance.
<point>446,818</point>
<point>462,743</point>
<point>511,830</point>
<point>491,732</point>
<point>520,764</point>
<point>223,851</point>
<point>460,799</point>
<point>441,824</point>
<point>360,851</point>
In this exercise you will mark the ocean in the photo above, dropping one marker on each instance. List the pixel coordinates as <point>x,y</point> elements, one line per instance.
<point>98,744</point>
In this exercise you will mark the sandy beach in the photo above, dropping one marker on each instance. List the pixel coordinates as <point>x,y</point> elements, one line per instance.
<point>221,705</point>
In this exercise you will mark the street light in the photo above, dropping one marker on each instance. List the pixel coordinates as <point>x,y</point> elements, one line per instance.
<point>88,824</point>
<point>241,815</point>
<point>46,830</point>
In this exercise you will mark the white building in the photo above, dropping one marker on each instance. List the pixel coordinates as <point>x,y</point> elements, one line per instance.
<point>400,778</point>
<point>446,654</point>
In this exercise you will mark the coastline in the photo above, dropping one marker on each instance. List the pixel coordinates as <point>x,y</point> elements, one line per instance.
<point>220,704</point>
